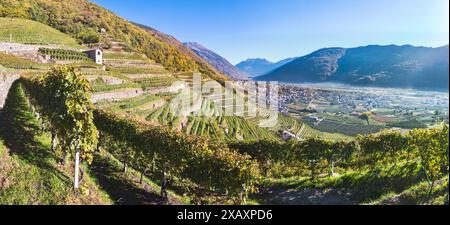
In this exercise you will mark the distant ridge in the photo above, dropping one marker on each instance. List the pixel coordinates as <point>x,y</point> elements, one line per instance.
<point>404,66</point>
<point>257,67</point>
<point>217,61</point>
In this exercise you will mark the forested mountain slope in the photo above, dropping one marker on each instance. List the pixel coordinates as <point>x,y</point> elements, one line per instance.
<point>382,66</point>
<point>217,61</point>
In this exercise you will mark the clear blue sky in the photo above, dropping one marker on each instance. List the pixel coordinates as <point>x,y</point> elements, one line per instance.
<point>277,29</point>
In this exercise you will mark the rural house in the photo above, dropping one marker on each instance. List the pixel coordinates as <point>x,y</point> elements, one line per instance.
<point>96,55</point>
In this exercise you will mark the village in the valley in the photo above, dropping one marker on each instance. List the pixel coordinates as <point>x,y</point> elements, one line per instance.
<point>329,107</point>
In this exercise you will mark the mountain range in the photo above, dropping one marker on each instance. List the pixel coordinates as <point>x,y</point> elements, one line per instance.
<point>257,67</point>
<point>217,61</point>
<point>374,65</point>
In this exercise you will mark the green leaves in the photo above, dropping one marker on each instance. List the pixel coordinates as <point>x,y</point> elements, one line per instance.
<point>432,148</point>
<point>207,164</point>
<point>63,54</point>
<point>62,95</point>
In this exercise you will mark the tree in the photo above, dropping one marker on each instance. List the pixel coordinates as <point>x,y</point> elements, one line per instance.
<point>366,116</point>
<point>89,36</point>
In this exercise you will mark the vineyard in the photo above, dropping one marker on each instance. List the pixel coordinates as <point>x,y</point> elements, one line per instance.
<point>63,54</point>
<point>168,154</point>
<point>30,171</point>
<point>159,81</point>
<point>189,150</point>
<point>369,167</point>
<point>137,130</point>
<point>219,159</point>
<point>102,87</point>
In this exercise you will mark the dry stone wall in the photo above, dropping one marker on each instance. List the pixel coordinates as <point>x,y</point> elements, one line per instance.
<point>6,81</point>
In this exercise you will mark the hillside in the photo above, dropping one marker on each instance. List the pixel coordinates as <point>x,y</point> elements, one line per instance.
<point>135,131</point>
<point>258,67</point>
<point>383,66</point>
<point>30,32</point>
<point>220,63</point>
<point>206,68</point>
<point>83,20</point>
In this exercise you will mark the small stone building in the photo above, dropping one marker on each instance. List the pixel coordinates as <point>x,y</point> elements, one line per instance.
<point>288,136</point>
<point>96,55</point>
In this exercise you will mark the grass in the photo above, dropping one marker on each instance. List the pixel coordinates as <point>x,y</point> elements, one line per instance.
<point>311,132</point>
<point>363,186</point>
<point>99,87</point>
<point>31,32</point>
<point>137,70</point>
<point>123,56</point>
<point>137,101</point>
<point>239,128</point>
<point>408,124</point>
<point>31,173</point>
<point>14,62</point>
<point>209,126</point>
<point>152,82</point>
<point>349,129</point>
<point>417,195</point>
<point>128,104</point>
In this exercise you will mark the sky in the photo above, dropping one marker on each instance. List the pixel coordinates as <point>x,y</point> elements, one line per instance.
<point>278,29</point>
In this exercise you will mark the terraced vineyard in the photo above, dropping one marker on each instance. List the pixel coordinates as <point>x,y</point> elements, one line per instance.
<point>113,131</point>
<point>64,54</point>
<point>201,116</point>
<point>158,81</point>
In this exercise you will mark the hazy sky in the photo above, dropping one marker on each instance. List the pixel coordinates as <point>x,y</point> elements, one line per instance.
<point>277,29</point>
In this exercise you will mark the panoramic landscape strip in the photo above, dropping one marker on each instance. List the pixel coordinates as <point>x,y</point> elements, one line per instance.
<point>99,109</point>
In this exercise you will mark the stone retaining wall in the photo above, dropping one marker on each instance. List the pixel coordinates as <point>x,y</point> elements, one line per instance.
<point>6,81</point>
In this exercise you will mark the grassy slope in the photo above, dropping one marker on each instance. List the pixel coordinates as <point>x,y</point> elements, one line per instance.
<point>417,194</point>
<point>31,32</point>
<point>376,186</point>
<point>13,62</point>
